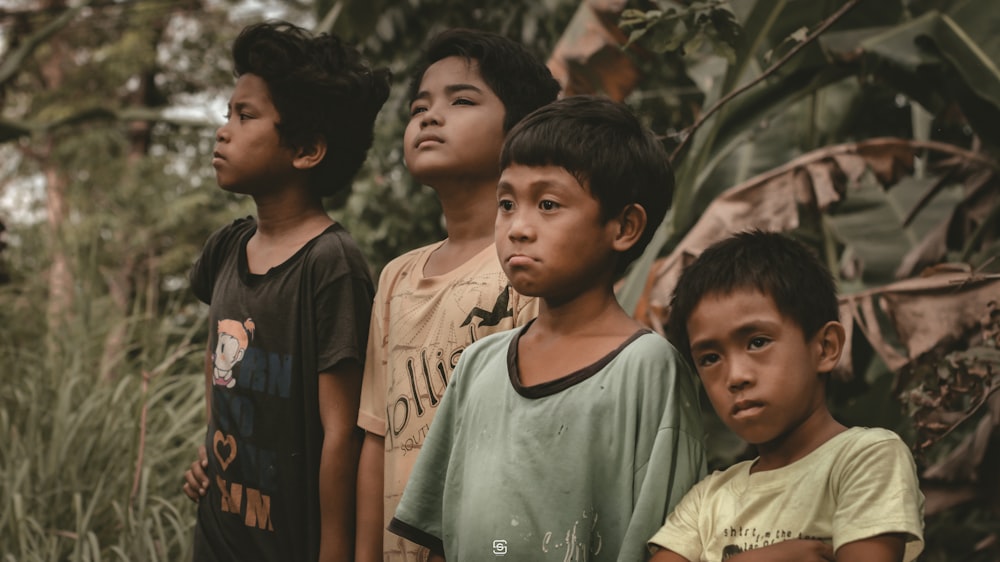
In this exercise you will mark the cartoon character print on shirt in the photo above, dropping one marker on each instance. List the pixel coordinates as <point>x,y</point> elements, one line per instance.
<point>234,337</point>
<point>245,462</point>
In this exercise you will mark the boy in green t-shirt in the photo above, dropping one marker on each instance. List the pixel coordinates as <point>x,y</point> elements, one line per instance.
<point>572,437</point>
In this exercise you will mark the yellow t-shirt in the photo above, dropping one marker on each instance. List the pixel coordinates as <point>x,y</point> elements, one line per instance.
<point>420,325</point>
<point>859,484</point>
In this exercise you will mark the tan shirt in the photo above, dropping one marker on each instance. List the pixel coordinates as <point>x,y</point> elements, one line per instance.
<point>420,325</point>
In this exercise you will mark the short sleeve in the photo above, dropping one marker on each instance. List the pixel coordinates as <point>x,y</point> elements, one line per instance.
<point>371,416</point>
<point>680,531</point>
<point>676,461</point>
<point>877,493</point>
<point>343,312</point>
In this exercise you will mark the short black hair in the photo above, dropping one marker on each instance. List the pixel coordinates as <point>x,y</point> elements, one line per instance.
<point>770,262</point>
<point>602,144</point>
<point>322,88</point>
<point>521,81</point>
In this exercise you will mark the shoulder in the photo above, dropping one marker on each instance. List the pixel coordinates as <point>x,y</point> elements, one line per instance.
<point>652,354</point>
<point>221,248</point>
<point>497,343</point>
<point>651,344</point>
<point>869,454</point>
<point>721,480</point>
<point>335,253</point>
<point>856,440</point>
<point>230,235</point>
<point>405,263</point>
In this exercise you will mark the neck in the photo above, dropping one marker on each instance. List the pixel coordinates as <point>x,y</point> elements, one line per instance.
<point>805,438</point>
<point>595,312</point>
<point>470,212</point>
<point>289,210</point>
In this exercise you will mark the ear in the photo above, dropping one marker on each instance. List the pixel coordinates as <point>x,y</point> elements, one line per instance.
<point>308,156</point>
<point>628,227</point>
<point>830,344</point>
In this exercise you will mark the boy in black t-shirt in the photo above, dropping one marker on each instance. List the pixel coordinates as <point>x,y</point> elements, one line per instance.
<point>290,297</point>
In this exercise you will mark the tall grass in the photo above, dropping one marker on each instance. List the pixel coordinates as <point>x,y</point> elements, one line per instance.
<point>91,469</point>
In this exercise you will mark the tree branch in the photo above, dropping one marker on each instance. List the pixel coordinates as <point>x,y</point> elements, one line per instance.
<point>824,25</point>
<point>12,63</point>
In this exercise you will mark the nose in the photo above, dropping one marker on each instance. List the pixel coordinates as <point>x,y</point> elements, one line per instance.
<point>222,133</point>
<point>430,116</point>
<point>519,226</point>
<point>739,377</point>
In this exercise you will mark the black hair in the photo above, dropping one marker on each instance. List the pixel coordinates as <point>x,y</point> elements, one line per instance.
<point>521,81</point>
<point>774,264</point>
<point>322,89</point>
<point>602,144</point>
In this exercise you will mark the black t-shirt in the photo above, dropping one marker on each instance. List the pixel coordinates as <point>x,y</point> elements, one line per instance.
<point>270,336</point>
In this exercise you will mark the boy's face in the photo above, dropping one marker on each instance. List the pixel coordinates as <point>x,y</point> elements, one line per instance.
<point>759,371</point>
<point>456,125</point>
<point>249,156</point>
<point>550,237</point>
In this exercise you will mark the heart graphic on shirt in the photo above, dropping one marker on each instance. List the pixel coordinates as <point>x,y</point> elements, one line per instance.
<point>224,448</point>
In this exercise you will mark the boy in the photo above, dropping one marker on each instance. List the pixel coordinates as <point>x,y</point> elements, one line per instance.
<point>757,316</point>
<point>570,438</point>
<point>434,301</point>
<point>290,298</point>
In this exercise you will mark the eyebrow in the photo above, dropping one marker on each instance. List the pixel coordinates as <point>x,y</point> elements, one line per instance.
<point>240,105</point>
<point>449,89</point>
<point>743,330</point>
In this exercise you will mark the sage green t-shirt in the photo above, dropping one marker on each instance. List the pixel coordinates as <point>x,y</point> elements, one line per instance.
<point>584,467</point>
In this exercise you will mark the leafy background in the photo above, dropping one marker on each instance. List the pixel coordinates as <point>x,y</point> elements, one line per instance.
<point>867,129</point>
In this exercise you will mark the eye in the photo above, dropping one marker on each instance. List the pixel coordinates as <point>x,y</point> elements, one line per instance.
<point>417,109</point>
<point>463,101</point>
<point>547,205</point>
<point>707,360</point>
<point>758,342</point>
<point>506,205</point>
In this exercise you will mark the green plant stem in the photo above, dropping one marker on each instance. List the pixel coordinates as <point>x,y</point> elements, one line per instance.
<point>824,25</point>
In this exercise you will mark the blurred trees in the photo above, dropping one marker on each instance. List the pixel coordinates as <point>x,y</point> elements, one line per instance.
<point>865,128</point>
<point>108,119</point>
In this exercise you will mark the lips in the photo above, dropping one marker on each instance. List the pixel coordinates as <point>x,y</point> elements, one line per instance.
<point>519,260</point>
<point>425,138</point>
<point>746,408</point>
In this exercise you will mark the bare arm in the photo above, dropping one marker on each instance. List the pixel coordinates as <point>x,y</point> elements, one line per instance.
<point>195,479</point>
<point>370,499</point>
<point>339,396</point>
<point>664,555</point>
<point>796,550</point>
<point>208,384</point>
<point>881,548</point>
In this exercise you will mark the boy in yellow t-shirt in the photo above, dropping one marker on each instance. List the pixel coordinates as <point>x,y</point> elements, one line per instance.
<point>757,316</point>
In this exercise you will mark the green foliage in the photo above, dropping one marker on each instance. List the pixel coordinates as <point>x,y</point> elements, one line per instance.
<point>68,467</point>
<point>141,199</point>
<point>921,70</point>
